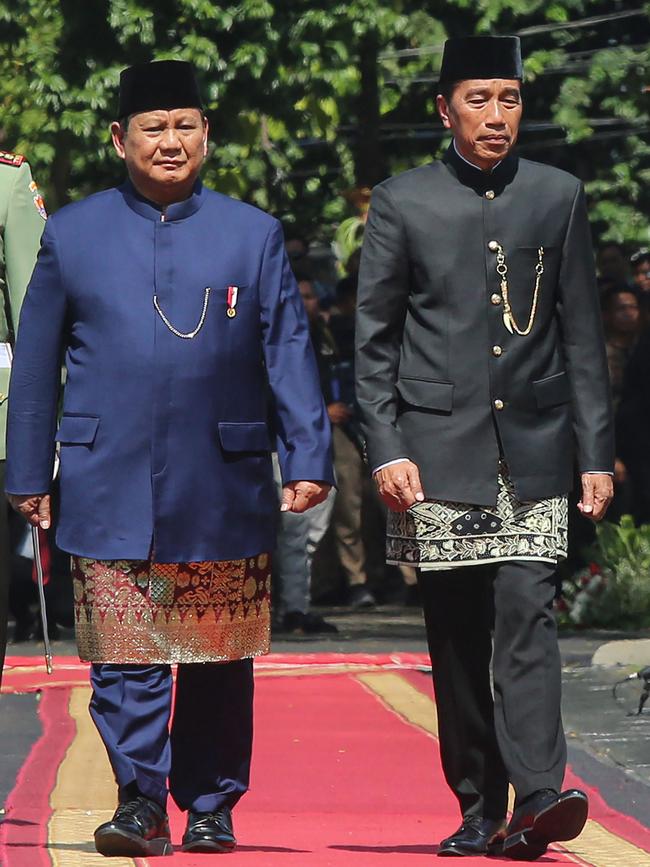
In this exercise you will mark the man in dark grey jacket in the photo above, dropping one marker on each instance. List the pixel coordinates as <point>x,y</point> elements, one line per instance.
<point>482,378</point>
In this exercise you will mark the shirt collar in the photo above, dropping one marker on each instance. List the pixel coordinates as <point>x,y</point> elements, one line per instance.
<point>481,181</point>
<point>173,213</point>
<point>473,165</point>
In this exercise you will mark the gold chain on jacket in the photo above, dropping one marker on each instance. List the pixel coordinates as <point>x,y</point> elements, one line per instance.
<point>508,316</point>
<point>190,335</point>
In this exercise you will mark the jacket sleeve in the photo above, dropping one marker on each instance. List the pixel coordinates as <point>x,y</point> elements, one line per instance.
<point>22,237</point>
<point>301,421</point>
<point>584,345</point>
<point>381,310</point>
<point>36,375</point>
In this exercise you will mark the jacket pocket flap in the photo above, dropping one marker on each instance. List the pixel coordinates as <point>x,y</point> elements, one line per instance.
<point>552,390</point>
<point>80,429</point>
<point>247,436</point>
<point>427,393</point>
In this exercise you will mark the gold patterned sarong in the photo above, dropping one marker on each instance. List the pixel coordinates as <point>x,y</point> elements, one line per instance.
<point>142,612</point>
<point>437,535</point>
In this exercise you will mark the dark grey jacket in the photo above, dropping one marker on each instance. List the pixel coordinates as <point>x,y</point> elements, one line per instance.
<point>437,371</point>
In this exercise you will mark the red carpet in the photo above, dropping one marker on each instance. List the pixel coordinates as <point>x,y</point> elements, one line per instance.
<point>338,779</point>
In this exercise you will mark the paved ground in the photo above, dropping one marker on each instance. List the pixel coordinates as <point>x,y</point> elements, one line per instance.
<point>609,744</point>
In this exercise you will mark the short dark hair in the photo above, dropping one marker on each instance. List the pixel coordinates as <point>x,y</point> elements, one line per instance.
<point>606,245</point>
<point>608,296</point>
<point>447,88</point>
<point>347,288</point>
<point>302,271</point>
<point>293,233</point>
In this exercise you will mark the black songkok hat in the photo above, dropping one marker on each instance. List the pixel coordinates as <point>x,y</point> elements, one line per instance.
<point>467,57</point>
<point>162,84</point>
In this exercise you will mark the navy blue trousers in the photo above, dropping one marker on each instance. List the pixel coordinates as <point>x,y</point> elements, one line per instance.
<point>206,753</point>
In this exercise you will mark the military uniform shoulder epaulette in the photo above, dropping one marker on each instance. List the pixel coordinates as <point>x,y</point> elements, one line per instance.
<point>8,159</point>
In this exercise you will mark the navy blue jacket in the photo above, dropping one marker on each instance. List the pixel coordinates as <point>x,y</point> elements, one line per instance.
<point>164,441</point>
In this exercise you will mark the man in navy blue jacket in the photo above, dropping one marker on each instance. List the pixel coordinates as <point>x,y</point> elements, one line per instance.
<point>176,310</point>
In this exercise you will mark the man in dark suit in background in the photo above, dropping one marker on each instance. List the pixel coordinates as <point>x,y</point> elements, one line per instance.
<point>480,361</point>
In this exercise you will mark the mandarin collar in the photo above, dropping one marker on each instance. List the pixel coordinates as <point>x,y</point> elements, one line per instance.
<point>479,180</point>
<point>177,211</point>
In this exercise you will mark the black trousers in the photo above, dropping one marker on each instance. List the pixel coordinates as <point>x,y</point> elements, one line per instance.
<point>516,735</point>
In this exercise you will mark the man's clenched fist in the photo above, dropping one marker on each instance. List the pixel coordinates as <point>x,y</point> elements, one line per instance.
<point>300,496</point>
<point>35,508</point>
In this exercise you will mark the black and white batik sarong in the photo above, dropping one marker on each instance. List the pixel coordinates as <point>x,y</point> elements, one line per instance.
<point>436,535</point>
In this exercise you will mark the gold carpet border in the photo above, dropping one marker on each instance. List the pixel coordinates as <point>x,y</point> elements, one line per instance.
<point>71,827</point>
<point>596,846</point>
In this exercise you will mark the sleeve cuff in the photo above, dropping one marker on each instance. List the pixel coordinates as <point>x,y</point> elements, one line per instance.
<point>389,464</point>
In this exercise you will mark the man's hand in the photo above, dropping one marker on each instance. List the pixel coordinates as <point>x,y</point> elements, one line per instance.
<point>35,508</point>
<point>300,496</point>
<point>399,485</point>
<point>597,493</point>
<point>338,412</point>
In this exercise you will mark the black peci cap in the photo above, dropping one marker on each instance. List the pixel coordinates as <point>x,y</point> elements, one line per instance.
<point>481,57</point>
<point>162,84</point>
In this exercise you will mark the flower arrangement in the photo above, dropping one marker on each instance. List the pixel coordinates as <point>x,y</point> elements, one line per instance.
<point>582,596</point>
<point>614,589</point>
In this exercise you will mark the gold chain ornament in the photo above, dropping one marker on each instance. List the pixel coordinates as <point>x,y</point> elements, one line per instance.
<point>190,335</point>
<point>508,316</point>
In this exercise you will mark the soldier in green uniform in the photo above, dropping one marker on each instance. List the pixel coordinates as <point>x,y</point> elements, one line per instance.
<point>22,218</point>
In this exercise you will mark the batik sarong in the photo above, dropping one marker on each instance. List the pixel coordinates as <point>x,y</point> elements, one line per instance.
<point>140,612</point>
<point>442,535</point>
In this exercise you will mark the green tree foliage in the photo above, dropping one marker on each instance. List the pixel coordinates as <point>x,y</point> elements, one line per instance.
<point>307,100</point>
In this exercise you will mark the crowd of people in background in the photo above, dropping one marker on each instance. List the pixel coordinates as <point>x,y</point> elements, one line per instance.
<point>624,282</point>
<point>334,552</point>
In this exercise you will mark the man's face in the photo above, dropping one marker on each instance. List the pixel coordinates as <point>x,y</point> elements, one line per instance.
<point>624,314</point>
<point>612,264</point>
<point>163,151</point>
<point>309,299</point>
<point>296,249</point>
<point>641,275</point>
<point>484,116</point>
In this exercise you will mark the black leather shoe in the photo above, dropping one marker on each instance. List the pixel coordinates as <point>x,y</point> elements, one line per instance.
<point>542,818</point>
<point>473,837</point>
<point>209,832</point>
<point>139,827</point>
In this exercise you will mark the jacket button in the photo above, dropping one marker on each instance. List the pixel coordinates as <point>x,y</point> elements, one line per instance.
<point>489,194</point>
<point>493,246</point>
<point>497,351</point>
<point>498,404</point>
<point>496,299</point>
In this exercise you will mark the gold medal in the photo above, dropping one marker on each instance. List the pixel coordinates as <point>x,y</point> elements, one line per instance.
<point>231,313</point>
